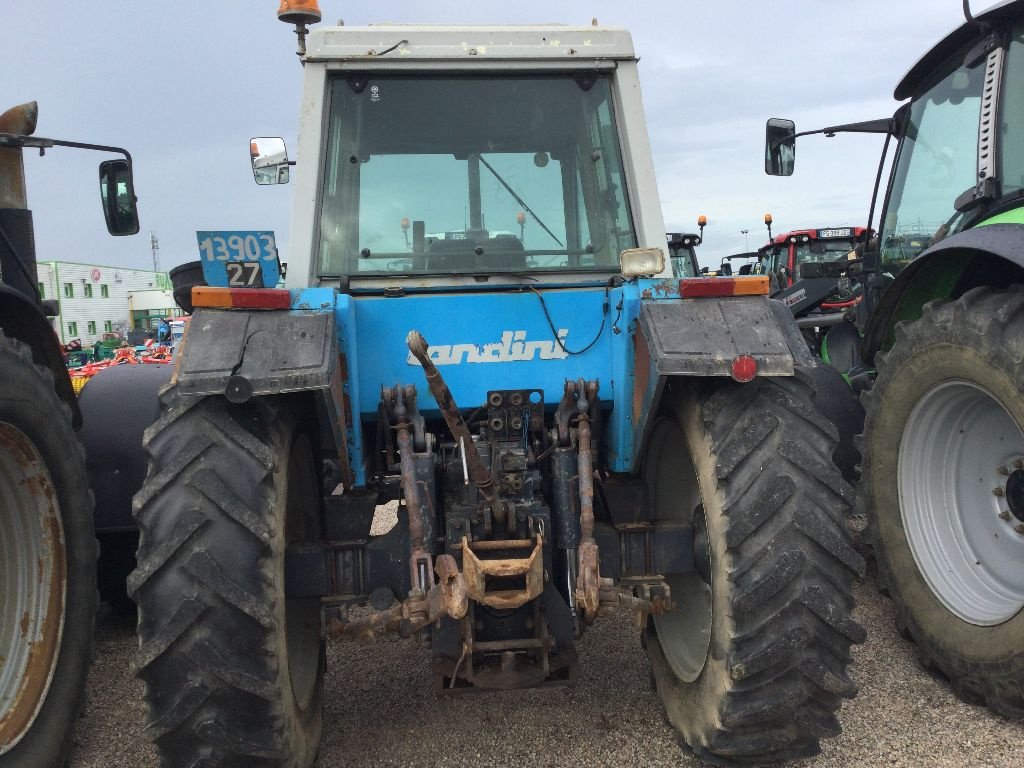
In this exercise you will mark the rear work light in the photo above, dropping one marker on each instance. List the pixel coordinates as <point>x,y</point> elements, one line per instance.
<point>241,298</point>
<point>636,262</point>
<point>713,287</point>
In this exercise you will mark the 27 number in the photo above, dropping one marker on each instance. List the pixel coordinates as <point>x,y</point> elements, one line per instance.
<point>244,274</point>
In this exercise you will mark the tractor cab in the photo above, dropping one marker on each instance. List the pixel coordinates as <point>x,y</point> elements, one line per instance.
<point>788,251</point>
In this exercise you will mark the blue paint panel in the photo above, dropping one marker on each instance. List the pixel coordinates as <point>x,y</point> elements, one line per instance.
<point>317,299</point>
<point>239,259</point>
<point>482,342</point>
<point>619,445</point>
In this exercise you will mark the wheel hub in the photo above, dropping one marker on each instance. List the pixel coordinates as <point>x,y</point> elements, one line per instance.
<point>684,633</point>
<point>1015,494</point>
<point>33,585</point>
<point>961,490</point>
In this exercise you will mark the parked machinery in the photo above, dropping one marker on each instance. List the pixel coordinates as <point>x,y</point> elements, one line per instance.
<point>936,345</point>
<point>47,548</point>
<point>568,428</point>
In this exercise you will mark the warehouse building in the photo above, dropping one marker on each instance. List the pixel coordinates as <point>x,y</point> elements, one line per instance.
<point>94,299</point>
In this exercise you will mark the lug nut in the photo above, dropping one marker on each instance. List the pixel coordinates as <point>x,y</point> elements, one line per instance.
<point>1004,515</point>
<point>1019,528</point>
<point>999,491</point>
<point>1003,470</point>
<point>1018,463</point>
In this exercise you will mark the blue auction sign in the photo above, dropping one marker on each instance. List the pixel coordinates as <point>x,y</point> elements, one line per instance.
<point>239,259</point>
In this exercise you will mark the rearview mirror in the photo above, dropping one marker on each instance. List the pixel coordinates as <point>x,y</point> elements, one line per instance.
<point>269,160</point>
<point>117,194</point>
<point>780,147</point>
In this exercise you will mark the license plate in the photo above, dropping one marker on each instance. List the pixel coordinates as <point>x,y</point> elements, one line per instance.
<point>239,259</point>
<point>826,233</point>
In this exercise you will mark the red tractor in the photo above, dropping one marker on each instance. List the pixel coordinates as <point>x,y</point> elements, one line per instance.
<point>784,254</point>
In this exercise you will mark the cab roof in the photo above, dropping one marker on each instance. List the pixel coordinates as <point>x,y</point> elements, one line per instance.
<point>816,234</point>
<point>419,42</point>
<point>998,14</point>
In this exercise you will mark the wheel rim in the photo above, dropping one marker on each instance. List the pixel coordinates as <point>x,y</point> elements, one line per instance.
<point>959,492</point>
<point>33,584</point>
<point>302,615</point>
<point>685,632</point>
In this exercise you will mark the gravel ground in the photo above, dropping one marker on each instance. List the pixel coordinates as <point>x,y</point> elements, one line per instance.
<point>381,710</point>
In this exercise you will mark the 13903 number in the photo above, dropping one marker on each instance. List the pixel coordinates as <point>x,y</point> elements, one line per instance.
<point>250,247</point>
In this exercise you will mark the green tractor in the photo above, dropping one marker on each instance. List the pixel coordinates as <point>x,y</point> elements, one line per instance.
<point>938,348</point>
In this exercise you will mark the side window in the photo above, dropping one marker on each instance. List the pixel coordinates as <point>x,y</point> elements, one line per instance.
<point>108,326</point>
<point>69,290</point>
<point>92,327</point>
<point>87,289</point>
<point>72,329</point>
<point>104,292</point>
<point>1011,123</point>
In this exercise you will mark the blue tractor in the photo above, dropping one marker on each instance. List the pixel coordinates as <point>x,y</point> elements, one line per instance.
<point>565,428</point>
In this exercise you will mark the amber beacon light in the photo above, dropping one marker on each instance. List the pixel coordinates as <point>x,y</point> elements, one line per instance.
<point>300,13</point>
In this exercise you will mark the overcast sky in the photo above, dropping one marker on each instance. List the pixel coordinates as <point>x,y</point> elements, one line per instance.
<point>183,85</point>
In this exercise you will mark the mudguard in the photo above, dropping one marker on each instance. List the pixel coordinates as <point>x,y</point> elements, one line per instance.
<point>987,254</point>
<point>701,337</point>
<point>267,353</point>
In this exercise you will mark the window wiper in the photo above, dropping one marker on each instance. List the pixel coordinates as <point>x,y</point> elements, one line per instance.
<point>520,200</point>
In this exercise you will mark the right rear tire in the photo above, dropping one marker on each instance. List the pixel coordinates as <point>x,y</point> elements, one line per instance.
<point>233,669</point>
<point>751,665</point>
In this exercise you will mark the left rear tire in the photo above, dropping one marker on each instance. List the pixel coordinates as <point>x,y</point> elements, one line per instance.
<point>233,667</point>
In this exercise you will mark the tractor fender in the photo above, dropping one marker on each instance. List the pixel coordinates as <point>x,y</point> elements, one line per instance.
<point>991,254</point>
<point>702,338</point>
<point>21,319</point>
<point>240,355</point>
<point>118,404</point>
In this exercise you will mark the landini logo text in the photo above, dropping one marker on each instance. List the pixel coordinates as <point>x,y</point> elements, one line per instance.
<point>513,348</point>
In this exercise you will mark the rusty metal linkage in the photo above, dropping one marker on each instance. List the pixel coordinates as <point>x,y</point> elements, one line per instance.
<point>427,601</point>
<point>448,597</point>
<point>419,560</point>
<point>450,411</point>
<point>478,571</point>
<point>649,603</point>
<point>588,584</point>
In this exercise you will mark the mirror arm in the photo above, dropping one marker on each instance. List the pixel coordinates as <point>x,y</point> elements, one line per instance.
<point>884,125</point>
<point>14,140</point>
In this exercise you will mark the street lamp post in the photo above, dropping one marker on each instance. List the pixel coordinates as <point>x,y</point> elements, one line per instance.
<point>746,240</point>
